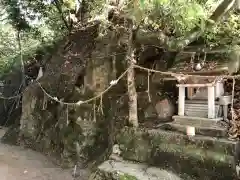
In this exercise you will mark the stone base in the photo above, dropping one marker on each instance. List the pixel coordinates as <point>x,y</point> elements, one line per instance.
<point>196,121</point>
<point>217,145</point>
<point>126,170</point>
<point>201,157</point>
<point>218,131</point>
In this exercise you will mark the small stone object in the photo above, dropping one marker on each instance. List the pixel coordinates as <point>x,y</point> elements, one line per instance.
<point>116,149</point>
<point>116,152</point>
<point>198,67</point>
<point>190,131</point>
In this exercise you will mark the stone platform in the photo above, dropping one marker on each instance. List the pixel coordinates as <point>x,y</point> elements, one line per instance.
<point>216,131</point>
<point>199,157</point>
<point>125,170</point>
<point>197,121</point>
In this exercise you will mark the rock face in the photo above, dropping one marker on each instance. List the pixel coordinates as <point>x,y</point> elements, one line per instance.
<point>70,131</point>
<point>77,71</point>
<point>11,86</point>
<point>164,154</point>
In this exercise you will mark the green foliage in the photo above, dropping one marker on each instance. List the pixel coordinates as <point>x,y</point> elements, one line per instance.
<point>69,4</point>
<point>127,177</point>
<point>41,22</point>
<point>225,32</point>
<point>177,18</point>
<point>15,15</point>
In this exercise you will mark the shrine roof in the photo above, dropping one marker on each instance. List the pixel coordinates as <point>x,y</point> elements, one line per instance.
<point>185,65</point>
<point>209,68</point>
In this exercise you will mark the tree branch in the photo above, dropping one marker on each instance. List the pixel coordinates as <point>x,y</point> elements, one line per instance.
<point>160,39</point>
<point>58,6</point>
<point>21,58</point>
<point>237,5</point>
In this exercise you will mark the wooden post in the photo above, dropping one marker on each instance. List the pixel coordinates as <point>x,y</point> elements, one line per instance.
<point>225,112</point>
<point>181,100</point>
<point>190,92</point>
<point>211,102</point>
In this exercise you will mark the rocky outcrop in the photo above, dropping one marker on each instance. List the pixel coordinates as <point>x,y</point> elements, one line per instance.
<point>82,67</point>
<point>125,170</point>
<point>68,131</point>
<point>10,86</point>
<point>199,157</point>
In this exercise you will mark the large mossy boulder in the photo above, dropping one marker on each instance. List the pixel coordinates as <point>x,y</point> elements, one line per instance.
<point>208,157</point>
<point>58,130</point>
<point>73,133</point>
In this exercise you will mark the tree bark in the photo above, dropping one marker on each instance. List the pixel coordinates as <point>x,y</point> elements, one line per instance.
<point>21,58</point>
<point>160,39</point>
<point>132,93</point>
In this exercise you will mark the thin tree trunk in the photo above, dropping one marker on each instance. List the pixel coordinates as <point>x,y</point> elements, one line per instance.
<point>132,93</point>
<point>21,58</point>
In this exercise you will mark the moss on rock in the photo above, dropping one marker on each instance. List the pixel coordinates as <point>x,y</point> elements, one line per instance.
<point>126,176</point>
<point>177,153</point>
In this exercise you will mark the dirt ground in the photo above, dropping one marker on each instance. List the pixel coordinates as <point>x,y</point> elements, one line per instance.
<point>17,163</point>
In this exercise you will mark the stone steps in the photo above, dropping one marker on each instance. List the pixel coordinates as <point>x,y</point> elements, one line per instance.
<point>201,157</point>
<point>198,110</point>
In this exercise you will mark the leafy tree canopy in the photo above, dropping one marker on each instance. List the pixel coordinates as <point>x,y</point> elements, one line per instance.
<point>42,22</point>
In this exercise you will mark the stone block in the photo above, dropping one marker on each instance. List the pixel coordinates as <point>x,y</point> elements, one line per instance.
<point>125,170</point>
<point>200,157</point>
<point>219,132</point>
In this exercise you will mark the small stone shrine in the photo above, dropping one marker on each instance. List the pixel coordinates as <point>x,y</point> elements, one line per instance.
<point>202,100</point>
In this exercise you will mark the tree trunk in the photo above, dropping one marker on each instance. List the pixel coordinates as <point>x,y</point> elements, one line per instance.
<point>132,94</point>
<point>21,57</point>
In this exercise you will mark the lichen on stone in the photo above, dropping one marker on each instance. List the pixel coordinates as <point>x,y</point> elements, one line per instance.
<point>126,176</point>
